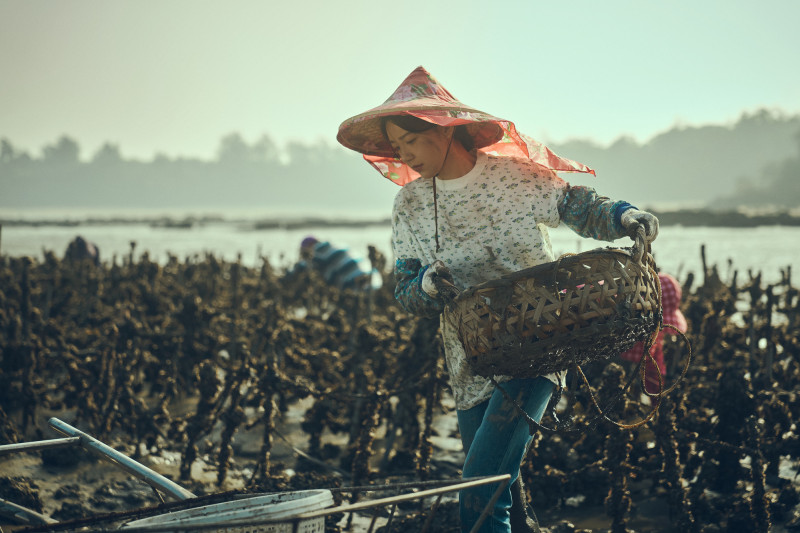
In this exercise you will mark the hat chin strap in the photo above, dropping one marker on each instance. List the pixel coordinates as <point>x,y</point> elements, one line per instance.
<point>435,201</point>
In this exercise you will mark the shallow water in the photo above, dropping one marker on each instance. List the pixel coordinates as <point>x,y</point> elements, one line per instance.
<point>767,249</point>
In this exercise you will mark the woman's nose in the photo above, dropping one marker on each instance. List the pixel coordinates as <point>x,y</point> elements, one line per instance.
<point>404,155</point>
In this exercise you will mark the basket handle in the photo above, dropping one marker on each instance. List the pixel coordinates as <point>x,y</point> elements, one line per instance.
<point>640,244</point>
<point>447,290</point>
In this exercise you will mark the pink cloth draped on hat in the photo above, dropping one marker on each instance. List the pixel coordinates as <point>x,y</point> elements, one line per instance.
<point>670,307</point>
<point>421,96</point>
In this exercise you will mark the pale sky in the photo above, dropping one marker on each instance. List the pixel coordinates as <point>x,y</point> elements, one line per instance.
<point>175,76</point>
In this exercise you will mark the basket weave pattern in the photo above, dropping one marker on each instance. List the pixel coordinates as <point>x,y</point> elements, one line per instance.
<point>580,308</point>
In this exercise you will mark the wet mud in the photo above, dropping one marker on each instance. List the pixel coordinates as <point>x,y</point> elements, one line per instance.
<point>198,367</point>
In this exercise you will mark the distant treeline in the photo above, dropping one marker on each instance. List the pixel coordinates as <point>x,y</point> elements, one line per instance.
<point>752,163</point>
<point>242,175</point>
<point>727,218</point>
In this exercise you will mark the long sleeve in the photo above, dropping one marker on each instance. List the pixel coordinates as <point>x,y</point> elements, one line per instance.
<point>408,267</point>
<point>408,291</point>
<point>590,215</point>
<point>490,222</point>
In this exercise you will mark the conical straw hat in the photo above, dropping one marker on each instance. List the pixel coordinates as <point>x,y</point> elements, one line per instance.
<point>421,96</point>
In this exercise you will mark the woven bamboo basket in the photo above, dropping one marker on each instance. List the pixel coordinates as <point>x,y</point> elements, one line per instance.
<point>580,308</point>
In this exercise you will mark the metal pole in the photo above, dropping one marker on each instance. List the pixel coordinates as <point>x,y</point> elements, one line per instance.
<point>5,449</point>
<point>502,479</point>
<point>490,506</point>
<point>23,514</point>
<point>152,478</point>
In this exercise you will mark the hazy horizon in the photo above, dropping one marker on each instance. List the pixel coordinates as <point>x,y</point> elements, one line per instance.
<point>689,167</point>
<point>87,153</point>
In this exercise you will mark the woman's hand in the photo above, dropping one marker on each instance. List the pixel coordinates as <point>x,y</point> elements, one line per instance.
<point>435,277</point>
<point>633,217</point>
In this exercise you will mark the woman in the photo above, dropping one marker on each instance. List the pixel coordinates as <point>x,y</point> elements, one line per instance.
<point>476,202</point>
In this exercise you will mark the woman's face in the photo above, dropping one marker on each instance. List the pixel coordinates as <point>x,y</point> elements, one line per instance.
<point>424,152</point>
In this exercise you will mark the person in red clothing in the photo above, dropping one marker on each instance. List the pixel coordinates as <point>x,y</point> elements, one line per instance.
<point>670,304</point>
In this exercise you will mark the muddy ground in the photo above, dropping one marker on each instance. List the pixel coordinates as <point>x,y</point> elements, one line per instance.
<point>229,379</point>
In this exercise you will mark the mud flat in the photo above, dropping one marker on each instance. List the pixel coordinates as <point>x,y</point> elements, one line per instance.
<point>231,379</point>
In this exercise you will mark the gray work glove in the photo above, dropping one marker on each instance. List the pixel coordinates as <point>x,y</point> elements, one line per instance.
<point>633,217</point>
<point>433,277</point>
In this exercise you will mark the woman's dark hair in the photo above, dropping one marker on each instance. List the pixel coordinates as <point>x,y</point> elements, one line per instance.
<point>417,125</point>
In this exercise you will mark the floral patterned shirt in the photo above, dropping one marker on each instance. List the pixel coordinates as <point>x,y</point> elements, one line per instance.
<point>491,221</point>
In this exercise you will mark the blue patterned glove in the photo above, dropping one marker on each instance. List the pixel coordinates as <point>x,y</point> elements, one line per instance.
<point>632,217</point>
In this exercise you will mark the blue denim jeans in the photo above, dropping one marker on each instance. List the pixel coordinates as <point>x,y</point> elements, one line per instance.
<point>495,438</point>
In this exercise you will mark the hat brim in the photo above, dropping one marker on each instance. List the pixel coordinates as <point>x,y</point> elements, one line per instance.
<point>421,96</point>
<point>363,133</point>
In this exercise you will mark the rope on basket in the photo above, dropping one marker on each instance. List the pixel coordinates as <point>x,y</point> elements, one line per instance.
<point>630,288</point>
<point>533,425</point>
